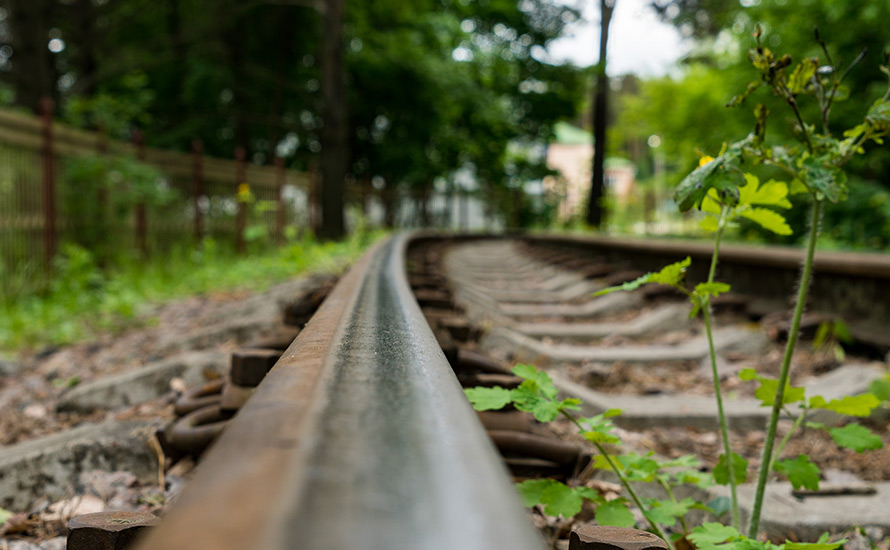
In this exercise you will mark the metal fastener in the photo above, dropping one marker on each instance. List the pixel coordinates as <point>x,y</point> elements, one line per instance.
<point>108,530</point>
<point>249,366</point>
<point>599,537</point>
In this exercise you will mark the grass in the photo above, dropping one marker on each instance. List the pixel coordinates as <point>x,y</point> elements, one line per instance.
<point>83,300</point>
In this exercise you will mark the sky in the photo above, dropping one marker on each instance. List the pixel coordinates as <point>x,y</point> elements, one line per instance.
<point>638,41</point>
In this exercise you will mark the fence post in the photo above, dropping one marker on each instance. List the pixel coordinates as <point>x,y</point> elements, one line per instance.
<point>241,217</point>
<point>104,243</point>
<point>280,214</point>
<point>141,221</point>
<point>49,194</point>
<point>198,187</point>
<point>314,207</point>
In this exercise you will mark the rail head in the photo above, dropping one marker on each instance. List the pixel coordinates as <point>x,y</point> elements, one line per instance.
<point>360,436</point>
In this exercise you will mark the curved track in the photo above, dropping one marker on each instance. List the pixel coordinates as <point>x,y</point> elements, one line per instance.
<point>360,435</point>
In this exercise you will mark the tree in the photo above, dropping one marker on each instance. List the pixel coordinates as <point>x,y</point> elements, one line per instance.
<point>334,152</point>
<point>595,210</point>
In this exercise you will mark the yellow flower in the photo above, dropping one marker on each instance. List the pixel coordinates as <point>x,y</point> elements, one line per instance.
<point>243,189</point>
<point>704,160</point>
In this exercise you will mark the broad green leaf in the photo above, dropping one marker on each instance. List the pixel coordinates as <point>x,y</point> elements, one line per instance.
<point>797,188</point>
<point>710,534</point>
<point>638,467</point>
<point>801,75</point>
<point>661,517</point>
<point>879,115</point>
<point>767,393</point>
<point>611,413</point>
<point>768,219</point>
<point>842,331</point>
<point>561,500</point>
<point>673,274</point>
<point>528,398</point>
<point>856,437</point>
<point>702,480</point>
<point>880,388</point>
<point>720,506</point>
<point>570,404</point>
<point>739,468</point>
<point>589,493</point>
<point>711,289</point>
<point>801,472</point>
<point>4,516</point>
<point>666,512</point>
<point>487,399</point>
<point>829,181</point>
<point>531,490</point>
<point>709,224</point>
<point>711,203</point>
<point>540,378</point>
<point>748,374</point>
<point>771,193</point>
<point>601,463</point>
<point>694,187</point>
<point>722,174</point>
<point>615,513</point>
<point>850,405</point>
<point>598,429</point>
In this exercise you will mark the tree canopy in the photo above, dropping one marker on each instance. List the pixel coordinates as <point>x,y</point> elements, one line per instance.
<point>432,85</point>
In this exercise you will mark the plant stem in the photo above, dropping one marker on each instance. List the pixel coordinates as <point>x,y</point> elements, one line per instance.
<point>766,461</point>
<point>670,493</point>
<point>718,395</point>
<point>621,478</point>
<point>797,422</point>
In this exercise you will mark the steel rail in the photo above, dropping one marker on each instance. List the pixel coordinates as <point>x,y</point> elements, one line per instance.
<point>862,264</point>
<point>851,284</point>
<point>359,437</point>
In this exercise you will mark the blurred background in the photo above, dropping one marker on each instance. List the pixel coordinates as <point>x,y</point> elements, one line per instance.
<point>176,131</point>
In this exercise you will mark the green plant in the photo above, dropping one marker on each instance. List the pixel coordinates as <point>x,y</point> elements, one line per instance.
<point>830,337</point>
<point>725,190</point>
<point>538,395</point>
<point>100,193</point>
<point>814,165</point>
<point>84,300</point>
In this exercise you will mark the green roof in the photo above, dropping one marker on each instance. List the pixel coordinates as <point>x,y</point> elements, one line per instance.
<point>567,134</point>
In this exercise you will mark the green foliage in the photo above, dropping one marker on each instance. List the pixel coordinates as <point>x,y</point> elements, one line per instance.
<point>4,516</point>
<point>856,437</point>
<point>739,470</point>
<point>766,392</point>
<point>99,195</point>
<point>673,275</point>
<point>489,399</point>
<point>557,498</point>
<point>614,513</point>
<point>84,300</point>
<point>711,536</point>
<point>801,472</point>
<point>850,405</point>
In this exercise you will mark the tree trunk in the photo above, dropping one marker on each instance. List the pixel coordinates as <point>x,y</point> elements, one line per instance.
<point>334,149</point>
<point>85,59</point>
<point>595,211</point>
<point>33,69</point>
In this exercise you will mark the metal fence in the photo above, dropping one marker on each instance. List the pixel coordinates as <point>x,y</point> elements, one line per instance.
<point>43,206</point>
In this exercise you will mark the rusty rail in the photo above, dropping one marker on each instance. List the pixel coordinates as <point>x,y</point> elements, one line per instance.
<point>359,437</point>
<point>851,284</point>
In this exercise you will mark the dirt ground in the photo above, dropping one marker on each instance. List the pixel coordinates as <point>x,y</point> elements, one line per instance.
<point>28,399</point>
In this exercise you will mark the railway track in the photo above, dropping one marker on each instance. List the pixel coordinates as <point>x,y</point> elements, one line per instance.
<point>360,435</point>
